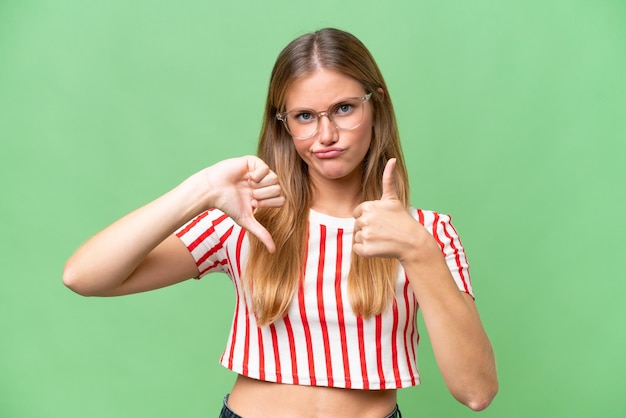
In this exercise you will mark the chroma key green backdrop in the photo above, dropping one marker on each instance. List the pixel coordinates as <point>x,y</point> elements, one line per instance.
<point>512,119</point>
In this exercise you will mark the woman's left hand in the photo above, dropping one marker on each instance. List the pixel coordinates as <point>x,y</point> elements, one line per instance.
<point>385,228</point>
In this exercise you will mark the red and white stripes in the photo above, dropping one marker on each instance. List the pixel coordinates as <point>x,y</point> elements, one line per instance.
<point>320,341</point>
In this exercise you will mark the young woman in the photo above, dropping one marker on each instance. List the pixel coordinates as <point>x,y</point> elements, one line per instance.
<point>328,260</point>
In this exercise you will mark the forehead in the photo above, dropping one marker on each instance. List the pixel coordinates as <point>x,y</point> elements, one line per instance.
<point>321,88</point>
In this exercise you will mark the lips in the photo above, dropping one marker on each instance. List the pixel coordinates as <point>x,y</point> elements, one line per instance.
<point>328,153</point>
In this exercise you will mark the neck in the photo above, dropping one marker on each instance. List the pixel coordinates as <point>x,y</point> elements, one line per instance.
<point>336,197</point>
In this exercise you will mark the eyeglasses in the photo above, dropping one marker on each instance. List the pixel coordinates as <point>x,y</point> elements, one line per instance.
<point>345,115</point>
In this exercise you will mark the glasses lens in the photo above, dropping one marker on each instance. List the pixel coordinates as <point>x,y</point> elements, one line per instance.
<point>301,123</point>
<point>347,114</point>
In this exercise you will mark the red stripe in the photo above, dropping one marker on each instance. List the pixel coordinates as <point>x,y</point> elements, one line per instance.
<point>435,233</point>
<point>240,295</point>
<point>212,266</point>
<point>214,249</point>
<point>206,233</point>
<point>279,378</point>
<point>457,253</point>
<point>458,238</point>
<point>246,343</point>
<point>235,324</point>
<point>320,304</point>
<point>457,257</point>
<point>420,216</point>
<point>359,327</point>
<point>242,234</point>
<point>292,350</point>
<point>379,354</point>
<point>394,345</point>
<point>415,339</point>
<point>261,355</point>
<point>340,318</point>
<point>304,319</point>
<point>191,224</point>
<point>409,319</point>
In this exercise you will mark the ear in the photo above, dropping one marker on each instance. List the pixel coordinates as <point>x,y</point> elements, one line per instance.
<point>381,91</point>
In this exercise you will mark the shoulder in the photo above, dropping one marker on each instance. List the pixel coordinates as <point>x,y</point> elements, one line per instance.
<point>209,237</point>
<point>440,226</point>
<point>430,219</point>
<point>210,222</point>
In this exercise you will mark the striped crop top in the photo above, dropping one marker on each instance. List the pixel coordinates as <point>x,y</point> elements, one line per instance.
<point>321,342</point>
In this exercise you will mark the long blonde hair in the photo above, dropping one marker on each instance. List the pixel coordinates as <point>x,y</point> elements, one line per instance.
<point>273,279</point>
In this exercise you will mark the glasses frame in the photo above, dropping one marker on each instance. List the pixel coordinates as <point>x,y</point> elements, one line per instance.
<point>282,116</point>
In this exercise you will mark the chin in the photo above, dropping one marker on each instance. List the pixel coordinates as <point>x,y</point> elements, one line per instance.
<point>337,174</point>
<point>335,170</point>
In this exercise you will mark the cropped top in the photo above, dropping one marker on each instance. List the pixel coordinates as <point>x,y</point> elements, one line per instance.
<point>321,342</point>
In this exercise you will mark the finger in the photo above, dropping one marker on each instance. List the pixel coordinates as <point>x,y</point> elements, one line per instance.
<point>359,249</point>
<point>257,169</point>
<point>270,179</point>
<point>256,229</point>
<point>389,181</point>
<point>266,192</point>
<point>275,202</point>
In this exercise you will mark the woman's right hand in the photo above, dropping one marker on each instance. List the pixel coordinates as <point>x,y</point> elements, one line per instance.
<point>241,185</point>
<point>140,251</point>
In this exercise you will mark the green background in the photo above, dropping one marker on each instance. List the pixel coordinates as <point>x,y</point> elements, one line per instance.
<point>512,115</point>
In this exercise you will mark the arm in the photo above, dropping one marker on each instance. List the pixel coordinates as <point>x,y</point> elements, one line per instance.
<point>384,228</point>
<point>460,343</point>
<point>139,252</point>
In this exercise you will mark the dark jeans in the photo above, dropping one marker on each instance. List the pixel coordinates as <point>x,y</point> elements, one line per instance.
<point>227,413</point>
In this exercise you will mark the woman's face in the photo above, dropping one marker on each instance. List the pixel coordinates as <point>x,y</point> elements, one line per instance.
<point>332,153</point>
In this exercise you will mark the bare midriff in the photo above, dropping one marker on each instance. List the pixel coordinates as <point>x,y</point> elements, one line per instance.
<point>252,398</point>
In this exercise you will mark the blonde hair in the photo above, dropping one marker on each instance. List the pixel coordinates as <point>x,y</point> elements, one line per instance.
<point>273,279</point>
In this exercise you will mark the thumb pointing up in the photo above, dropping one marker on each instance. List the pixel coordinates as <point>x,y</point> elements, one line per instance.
<point>389,181</point>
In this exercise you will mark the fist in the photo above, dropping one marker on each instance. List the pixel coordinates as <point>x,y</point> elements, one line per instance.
<point>384,227</point>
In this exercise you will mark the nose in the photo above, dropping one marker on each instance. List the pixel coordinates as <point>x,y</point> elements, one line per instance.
<point>327,131</point>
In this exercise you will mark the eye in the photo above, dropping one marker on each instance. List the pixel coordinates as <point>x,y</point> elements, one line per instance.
<point>343,109</point>
<point>304,117</point>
